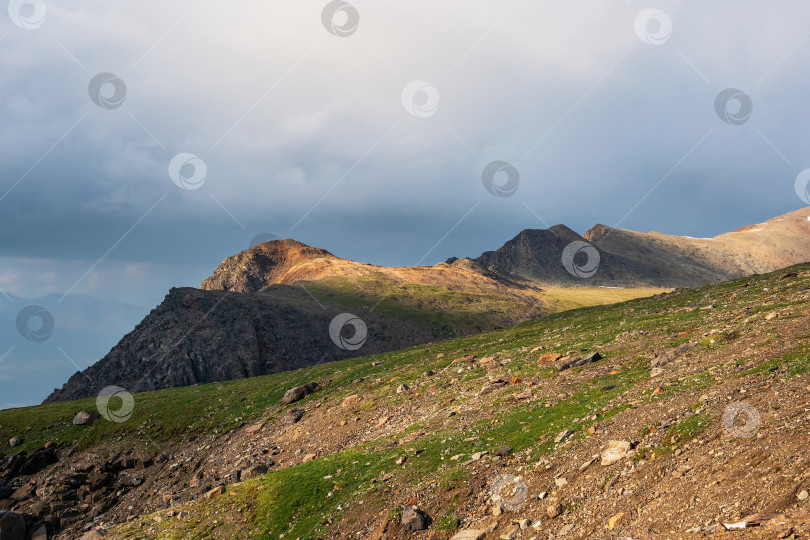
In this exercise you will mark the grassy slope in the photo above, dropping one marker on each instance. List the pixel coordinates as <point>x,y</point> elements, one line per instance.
<point>296,500</point>
<point>468,312</point>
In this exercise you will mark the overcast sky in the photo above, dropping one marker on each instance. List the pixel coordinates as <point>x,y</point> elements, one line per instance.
<point>365,128</point>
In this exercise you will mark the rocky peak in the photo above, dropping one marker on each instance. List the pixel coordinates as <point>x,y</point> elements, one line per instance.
<point>264,264</point>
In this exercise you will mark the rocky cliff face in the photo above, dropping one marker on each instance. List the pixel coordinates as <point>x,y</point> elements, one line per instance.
<point>198,336</point>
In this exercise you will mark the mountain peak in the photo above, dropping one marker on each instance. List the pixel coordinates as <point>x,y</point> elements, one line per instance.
<point>264,264</point>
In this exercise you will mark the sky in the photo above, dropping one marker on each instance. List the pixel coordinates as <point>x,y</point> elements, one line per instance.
<point>144,142</point>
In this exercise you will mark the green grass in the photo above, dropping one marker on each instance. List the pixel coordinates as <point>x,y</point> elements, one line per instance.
<point>687,429</point>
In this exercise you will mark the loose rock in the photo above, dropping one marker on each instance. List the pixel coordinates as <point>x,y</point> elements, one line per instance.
<point>615,451</point>
<point>300,392</point>
<point>413,519</point>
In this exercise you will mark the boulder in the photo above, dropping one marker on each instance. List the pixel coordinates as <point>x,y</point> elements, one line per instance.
<point>351,401</point>
<point>299,392</point>
<point>548,358</point>
<point>293,416</point>
<point>84,418</point>
<point>216,492</point>
<point>503,451</point>
<point>38,460</point>
<point>12,526</point>
<point>615,451</point>
<point>414,519</point>
<point>14,441</point>
<point>672,354</point>
<point>575,362</point>
<point>616,520</point>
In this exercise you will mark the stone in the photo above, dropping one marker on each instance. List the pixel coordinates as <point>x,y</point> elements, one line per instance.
<point>14,441</point>
<point>575,362</point>
<point>658,391</point>
<point>84,418</point>
<point>308,458</point>
<point>614,521</point>
<point>554,509</point>
<point>511,535</point>
<point>491,386</point>
<point>470,534</point>
<point>254,429</point>
<point>615,451</point>
<point>497,510</point>
<point>478,455</point>
<point>129,480</point>
<point>564,434</point>
<point>403,389</point>
<point>803,495</point>
<point>548,358</point>
<point>253,472</point>
<point>560,482</point>
<point>670,355</point>
<point>293,416</point>
<point>565,530</point>
<point>299,392</point>
<point>12,526</point>
<point>503,451</point>
<point>413,519</point>
<point>586,464</point>
<point>25,491</point>
<point>351,401</point>
<point>216,492</point>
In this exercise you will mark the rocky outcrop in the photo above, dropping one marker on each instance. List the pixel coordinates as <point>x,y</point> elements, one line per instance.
<point>197,336</point>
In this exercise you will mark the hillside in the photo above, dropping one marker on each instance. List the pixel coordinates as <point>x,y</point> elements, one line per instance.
<point>484,435</point>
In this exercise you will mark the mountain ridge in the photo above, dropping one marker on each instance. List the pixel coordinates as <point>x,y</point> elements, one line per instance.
<point>533,274</point>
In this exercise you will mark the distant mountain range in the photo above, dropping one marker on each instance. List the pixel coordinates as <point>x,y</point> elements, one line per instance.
<point>269,308</point>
